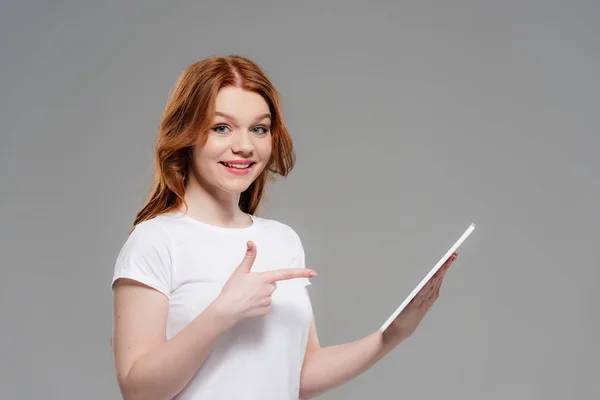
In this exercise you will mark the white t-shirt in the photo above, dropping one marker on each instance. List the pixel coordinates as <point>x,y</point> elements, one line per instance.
<point>190,261</point>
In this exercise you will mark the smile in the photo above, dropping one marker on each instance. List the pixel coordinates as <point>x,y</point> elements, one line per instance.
<point>237,166</point>
<point>237,169</point>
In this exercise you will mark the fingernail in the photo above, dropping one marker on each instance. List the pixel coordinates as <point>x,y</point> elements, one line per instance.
<point>312,273</point>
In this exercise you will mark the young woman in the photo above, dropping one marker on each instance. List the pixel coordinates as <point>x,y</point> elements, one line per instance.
<point>210,300</point>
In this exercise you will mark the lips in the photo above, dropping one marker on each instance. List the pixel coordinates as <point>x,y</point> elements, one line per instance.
<point>238,164</point>
<point>239,169</point>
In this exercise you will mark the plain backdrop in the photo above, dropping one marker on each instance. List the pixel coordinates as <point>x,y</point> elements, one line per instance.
<point>410,121</point>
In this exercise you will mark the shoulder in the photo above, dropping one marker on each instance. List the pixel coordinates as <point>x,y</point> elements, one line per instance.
<point>148,235</point>
<point>151,230</point>
<point>279,228</point>
<point>146,256</point>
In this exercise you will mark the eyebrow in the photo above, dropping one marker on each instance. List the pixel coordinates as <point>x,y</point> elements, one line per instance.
<point>232,118</point>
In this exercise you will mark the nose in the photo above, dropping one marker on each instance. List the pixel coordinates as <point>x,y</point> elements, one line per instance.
<point>241,143</point>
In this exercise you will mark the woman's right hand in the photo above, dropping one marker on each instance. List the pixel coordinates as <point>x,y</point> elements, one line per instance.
<point>247,294</point>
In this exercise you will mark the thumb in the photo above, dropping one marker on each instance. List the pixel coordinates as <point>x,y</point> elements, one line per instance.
<point>248,261</point>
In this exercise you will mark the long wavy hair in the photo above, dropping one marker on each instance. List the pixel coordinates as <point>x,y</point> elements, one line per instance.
<point>189,112</point>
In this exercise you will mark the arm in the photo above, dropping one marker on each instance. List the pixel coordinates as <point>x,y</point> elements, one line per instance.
<point>147,365</point>
<point>326,368</point>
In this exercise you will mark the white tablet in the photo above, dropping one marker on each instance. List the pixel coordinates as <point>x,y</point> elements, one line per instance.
<point>428,277</point>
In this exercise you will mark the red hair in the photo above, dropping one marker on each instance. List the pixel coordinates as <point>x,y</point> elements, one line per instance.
<point>189,112</point>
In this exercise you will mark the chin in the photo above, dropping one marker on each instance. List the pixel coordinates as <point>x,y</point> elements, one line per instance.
<point>236,188</point>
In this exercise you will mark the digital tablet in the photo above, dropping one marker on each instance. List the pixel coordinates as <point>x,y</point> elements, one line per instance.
<point>428,277</point>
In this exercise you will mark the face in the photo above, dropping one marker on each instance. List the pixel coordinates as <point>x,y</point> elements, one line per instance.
<point>238,144</point>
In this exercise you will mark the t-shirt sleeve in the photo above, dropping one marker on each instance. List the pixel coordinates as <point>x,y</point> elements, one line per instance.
<point>146,257</point>
<point>299,260</point>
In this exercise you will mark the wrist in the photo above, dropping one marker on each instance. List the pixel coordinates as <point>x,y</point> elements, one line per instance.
<point>390,341</point>
<point>220,315</point>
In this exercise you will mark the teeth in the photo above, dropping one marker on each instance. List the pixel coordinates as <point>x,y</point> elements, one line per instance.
<point>238,166</point>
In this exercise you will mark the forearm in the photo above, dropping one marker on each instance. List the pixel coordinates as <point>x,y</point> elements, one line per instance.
<point>163,372</point>
<point>331,366</point>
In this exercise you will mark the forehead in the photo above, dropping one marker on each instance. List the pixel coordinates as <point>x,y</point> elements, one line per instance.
<point>242,104</point>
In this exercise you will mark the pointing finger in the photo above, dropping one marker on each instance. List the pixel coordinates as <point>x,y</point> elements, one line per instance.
<point>289,273</point>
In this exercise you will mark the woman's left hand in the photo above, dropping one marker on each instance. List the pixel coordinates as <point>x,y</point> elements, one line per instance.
<point>409,319</point>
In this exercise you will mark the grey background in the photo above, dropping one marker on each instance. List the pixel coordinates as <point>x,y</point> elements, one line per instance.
<point>410,121</point>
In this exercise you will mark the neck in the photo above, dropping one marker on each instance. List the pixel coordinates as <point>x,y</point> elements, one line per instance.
<point>213,206</point>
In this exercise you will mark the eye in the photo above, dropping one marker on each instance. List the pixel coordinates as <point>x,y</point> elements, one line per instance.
<point>219,128</point>
<point>264,130</point>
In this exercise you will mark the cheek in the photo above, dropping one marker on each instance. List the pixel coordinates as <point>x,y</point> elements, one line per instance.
<point>266,150</point>
<point>209,153</point>
<point>204,163</point>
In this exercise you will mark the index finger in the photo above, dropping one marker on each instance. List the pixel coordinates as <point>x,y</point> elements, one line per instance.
<point>288,273</point>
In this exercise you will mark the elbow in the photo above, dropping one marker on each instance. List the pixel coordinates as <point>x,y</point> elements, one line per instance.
<point>307,391</point>
<point>126,388</point>
<point>128,392</point>
<point>131,390</point>
<point>306,394</point>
